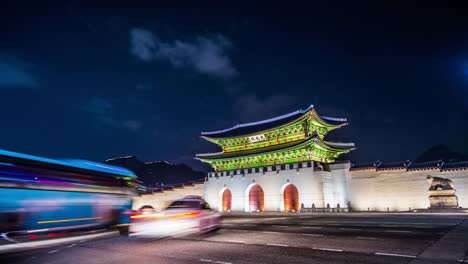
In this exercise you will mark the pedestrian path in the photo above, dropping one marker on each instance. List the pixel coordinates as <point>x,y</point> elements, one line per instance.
<point>451,248</point>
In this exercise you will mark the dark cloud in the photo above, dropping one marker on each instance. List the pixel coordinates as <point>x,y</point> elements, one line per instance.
<point>143,44</point>
<point>251,108</point>
<point>133,125</point>
<point>205,54</point>
<point>16,74</point>
<point>97,105</point>
<point>102,111</point>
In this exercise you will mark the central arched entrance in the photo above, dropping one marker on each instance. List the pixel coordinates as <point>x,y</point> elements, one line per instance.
<point>256,199</point>
<point>226,202</point>
<point>290,198</point>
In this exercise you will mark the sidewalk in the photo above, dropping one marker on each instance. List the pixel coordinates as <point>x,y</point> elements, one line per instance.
<point>452,247</point>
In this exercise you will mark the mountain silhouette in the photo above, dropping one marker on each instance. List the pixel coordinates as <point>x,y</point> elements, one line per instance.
<point>158,173</point>
<point>441,152</point>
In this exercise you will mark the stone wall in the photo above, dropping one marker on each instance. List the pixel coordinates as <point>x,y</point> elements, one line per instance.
<point>393,189</point>
<point>399,189</point>
<point>161,200</point>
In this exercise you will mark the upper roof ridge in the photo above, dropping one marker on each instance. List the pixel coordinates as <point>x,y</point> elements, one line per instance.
<point>300,111</point>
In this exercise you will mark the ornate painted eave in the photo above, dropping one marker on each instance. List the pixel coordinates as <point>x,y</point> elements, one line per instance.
<point>266,150</point>
<point>311,148</point>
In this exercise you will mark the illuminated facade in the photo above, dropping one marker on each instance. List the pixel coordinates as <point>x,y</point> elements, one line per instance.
<point>285,163</point>
<point>277,164</point>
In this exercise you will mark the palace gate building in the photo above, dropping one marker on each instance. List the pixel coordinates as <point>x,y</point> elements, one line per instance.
<point>282,163</point>
<point>277,164</point>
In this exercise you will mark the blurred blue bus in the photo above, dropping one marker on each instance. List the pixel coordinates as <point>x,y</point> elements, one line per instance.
<point>47,195</point>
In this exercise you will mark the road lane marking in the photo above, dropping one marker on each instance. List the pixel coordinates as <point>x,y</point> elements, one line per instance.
<point>395,255</point>
<point>398,231</point>
<point>354,229</point>
<point>369,238</point>
<point>53,251</point>
<point>315,235</point>
<point>277,245</point>
<point>52,242</point>
<point>238,221</point>
<point>214,261</point>
<point>271,232</point>
<point>237,230</point>
<point>279,226</point>
<point>314,227</point>
<point>72,245</point>
<point>276,218</point>
<point>328,249</point>
<point>236,241</point>
<point>4,236</point>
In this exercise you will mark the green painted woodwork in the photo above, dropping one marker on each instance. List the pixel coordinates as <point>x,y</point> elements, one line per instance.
<point>313,148</point>
<point>298,129</point>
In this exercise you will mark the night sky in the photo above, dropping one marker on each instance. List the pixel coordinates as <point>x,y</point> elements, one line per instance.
<point>92,81</point>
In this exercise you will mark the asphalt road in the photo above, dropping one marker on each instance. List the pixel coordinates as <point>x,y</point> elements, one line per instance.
<point>316,238</point>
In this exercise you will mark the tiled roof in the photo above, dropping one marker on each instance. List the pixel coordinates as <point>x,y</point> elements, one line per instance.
<point>436,164</point>
<point>462,165</point>
<point>364,166</point>
<point>253,127</point>
<point>408,165</point>
<point>394,165</point>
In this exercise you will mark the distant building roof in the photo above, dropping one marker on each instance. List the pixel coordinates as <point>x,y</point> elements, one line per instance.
<point>159,162</point>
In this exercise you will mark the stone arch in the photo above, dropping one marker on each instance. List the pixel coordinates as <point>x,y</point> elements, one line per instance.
<point>224,200</point>
<point>227,200</point>
<point>254,198</point>
<point>289,197</point>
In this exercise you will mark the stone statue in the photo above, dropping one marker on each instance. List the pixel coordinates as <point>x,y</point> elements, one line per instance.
<point>437,182</point>
<point>441,193</point>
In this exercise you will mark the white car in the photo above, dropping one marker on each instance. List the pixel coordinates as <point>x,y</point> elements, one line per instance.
<point>186,216</point>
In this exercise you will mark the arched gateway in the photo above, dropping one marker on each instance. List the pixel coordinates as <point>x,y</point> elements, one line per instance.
<point>256,198</point>
<point>226,200</point>
<point>290,198</point>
